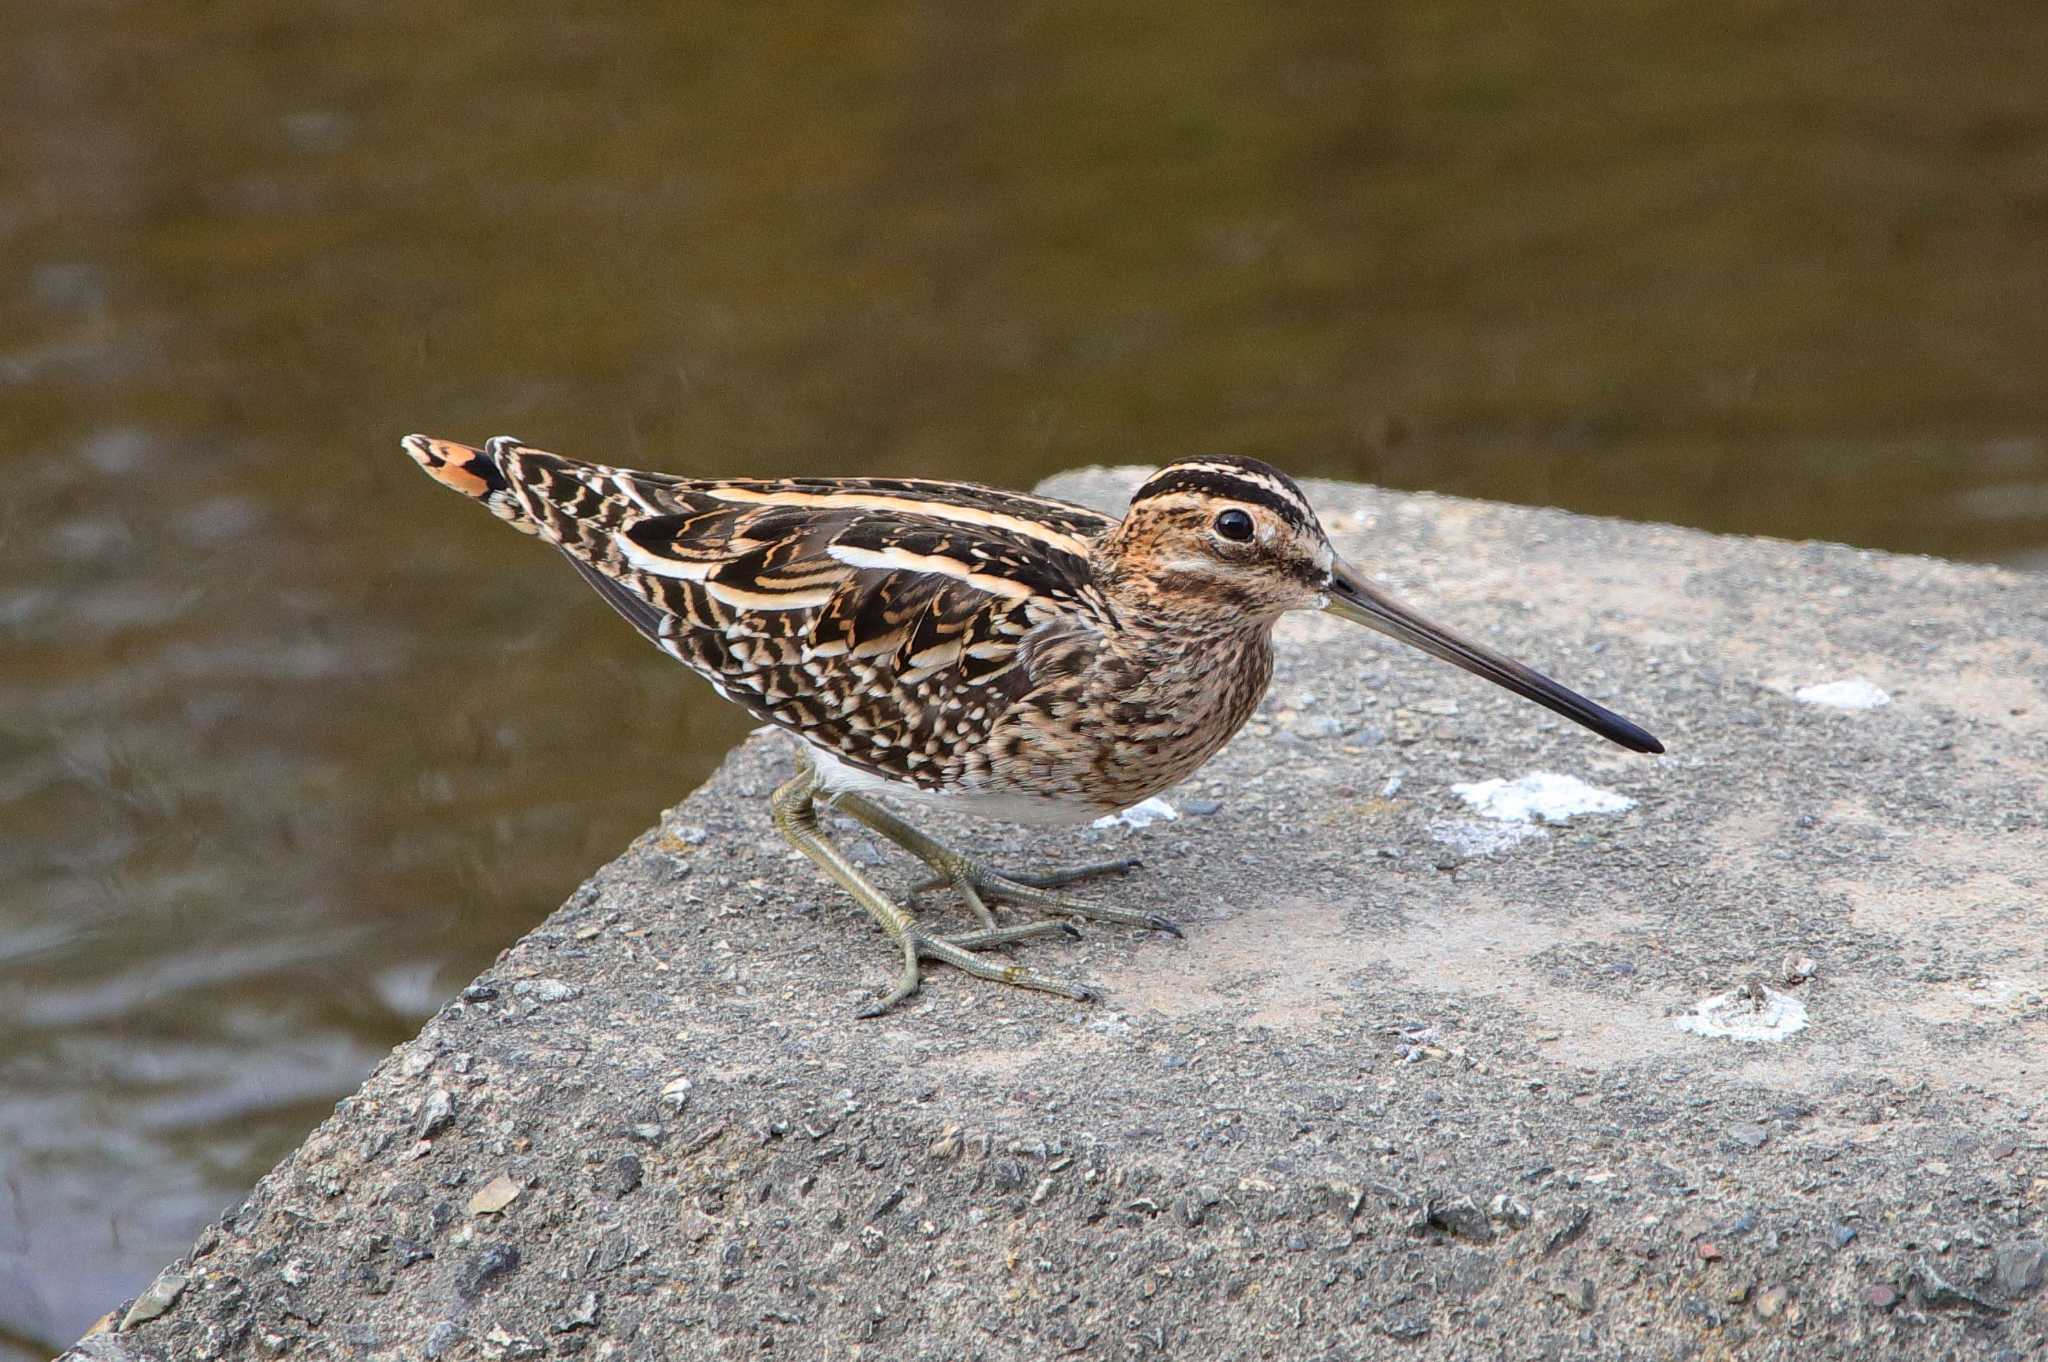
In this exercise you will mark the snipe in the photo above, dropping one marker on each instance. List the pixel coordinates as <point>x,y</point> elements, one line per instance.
<point>1009,655</point>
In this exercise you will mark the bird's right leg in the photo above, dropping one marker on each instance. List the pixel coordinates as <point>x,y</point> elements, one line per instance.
<point>794,805</point>
<point>976,883</point>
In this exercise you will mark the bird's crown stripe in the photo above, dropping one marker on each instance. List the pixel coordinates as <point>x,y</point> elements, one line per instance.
<point>1230,483</point>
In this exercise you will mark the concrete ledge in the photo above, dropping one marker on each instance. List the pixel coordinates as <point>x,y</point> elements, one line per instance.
<point>1394,1095</point>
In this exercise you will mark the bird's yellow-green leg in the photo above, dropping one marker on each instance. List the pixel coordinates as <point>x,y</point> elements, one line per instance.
<point>976,882</point>
<point>795,808</point>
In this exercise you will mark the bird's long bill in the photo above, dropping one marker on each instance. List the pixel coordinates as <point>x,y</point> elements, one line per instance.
<point>1355,599</point>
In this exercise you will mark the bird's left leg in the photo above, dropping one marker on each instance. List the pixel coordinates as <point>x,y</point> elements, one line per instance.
<point>976,883</point>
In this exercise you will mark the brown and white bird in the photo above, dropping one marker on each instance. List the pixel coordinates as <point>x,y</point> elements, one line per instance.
<point>1008,655</point>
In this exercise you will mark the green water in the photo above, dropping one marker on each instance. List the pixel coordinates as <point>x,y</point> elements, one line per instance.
<point>291,741</point>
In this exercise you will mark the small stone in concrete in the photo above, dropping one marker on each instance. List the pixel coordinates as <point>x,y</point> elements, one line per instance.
<point>2018,1268</point>
<point>1749,1135</point>
<point>1509,1210</point>
<point>1574,1224</point>
<point>1842,1235</point>
<point>491,1265</point>
<point>1576,1294</point>
<point>1201,808</point>
<point>546,990</point>
<point>621,1177</point>
<point>1462,1217</point>
<point>1936,1292</point>
<point>437,1113</point>
<point>1770,1302</point>
<point>442,1337</point>
<point>163,1293</point>
<point>495,1195</point>
<point>583,1315</point>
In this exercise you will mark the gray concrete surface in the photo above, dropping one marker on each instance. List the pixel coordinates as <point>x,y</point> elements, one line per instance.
<point>1386,1099</point>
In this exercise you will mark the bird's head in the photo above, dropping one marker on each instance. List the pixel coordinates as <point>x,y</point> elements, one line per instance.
<point>1224,542</point>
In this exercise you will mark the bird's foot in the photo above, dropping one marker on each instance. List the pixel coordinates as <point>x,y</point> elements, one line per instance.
<point>976,884</point>
<point>960,953</point>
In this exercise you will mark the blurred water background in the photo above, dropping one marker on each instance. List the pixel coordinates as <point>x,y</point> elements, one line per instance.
<point>292,741</point>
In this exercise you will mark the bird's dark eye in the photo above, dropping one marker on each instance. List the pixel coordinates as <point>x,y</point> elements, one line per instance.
<point>1234,524</point>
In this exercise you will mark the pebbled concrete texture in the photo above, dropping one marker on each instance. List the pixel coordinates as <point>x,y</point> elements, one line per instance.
<point>1396,1094</point>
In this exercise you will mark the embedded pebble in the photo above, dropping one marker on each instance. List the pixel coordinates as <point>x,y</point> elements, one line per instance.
<point>2020,1267</point>
<point>1463,1218</point>
<point>437,1113</point>
<point>1578,1295</point>
<point>442,1337</point>
<point>546,990</point>
<point>495,1195</point>
<point>163,1293</point>
<point>1509,1210</point>
<point>1935,1291</point>
<point>583,1316</point>
<point>476,1275</point>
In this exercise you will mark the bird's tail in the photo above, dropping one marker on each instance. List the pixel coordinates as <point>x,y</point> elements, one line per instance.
<point>480,474</point>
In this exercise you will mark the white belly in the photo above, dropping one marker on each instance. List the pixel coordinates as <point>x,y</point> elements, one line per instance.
<point>836,777</point>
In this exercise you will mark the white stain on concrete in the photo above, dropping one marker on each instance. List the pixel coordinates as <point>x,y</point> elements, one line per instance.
<point>1472,837</point>
<point>1539,797</point>
<point>1759,1013</point>
<point>1854,693</point>
<point>1141,815</point>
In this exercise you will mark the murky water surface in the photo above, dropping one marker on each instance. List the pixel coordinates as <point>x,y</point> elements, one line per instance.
<point>292,741</point>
